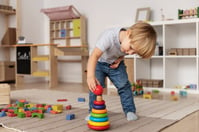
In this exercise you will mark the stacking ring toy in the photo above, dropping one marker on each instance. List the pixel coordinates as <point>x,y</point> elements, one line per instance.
<point>99,115</point>
<point>98,119</point>
<point>99,111</point>
<point>98,123</point>
<point>98,128</point>
<point>99,102</point>
<point>99,107</point>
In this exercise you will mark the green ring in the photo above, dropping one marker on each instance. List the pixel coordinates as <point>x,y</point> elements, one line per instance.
<point>99,115</point>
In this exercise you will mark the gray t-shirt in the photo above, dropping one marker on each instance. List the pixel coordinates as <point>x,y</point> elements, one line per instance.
<point>109,44</point>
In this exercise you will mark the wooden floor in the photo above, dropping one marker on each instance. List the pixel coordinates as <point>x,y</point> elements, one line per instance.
<point>189,123</point>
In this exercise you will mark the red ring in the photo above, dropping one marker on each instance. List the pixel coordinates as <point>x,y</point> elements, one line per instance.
<point>98,127</point>
<point>99,102</point>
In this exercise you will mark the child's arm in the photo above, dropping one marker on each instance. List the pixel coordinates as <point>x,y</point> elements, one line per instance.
<point>116,63</point>
<point>91,66</point>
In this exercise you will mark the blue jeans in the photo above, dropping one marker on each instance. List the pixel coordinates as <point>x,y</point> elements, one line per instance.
<point>119,78</point>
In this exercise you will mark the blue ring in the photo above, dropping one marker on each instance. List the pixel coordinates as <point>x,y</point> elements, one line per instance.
<point>103,119</point>
<point>99,107</point>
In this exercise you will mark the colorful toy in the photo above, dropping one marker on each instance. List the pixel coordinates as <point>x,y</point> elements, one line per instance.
<point>98,90</point>
<point>70,116</point>
<point>183,93</point>
<point>137,88</point>
<point>58,108</point>
<point>62,100</point>
<point>99,117</point>
<point>147,96</point>
<point>190,13</point>
<point>68,107</point>
<point>81,99</point>
<point>40,115</point>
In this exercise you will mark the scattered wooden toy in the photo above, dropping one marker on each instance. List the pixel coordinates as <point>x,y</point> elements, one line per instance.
<point>81,99</point>
<point>62,100</point>
<point>70,116</point>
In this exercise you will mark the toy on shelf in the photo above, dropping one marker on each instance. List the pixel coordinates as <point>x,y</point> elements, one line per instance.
<point>189,13</point>
<point>137,88</point>
<point>99,118</point>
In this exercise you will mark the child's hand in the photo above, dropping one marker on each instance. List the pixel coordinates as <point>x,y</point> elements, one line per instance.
<point>92,81</point>
<point>116,63</point>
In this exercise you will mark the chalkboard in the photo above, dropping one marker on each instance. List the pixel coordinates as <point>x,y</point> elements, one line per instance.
<point>23,60</point>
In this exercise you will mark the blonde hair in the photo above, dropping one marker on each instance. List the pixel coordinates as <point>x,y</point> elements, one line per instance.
<point>143,39</point>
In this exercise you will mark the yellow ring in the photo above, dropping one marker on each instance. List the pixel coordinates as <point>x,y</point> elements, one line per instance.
<point>99,111</point>
<point>98,123</point>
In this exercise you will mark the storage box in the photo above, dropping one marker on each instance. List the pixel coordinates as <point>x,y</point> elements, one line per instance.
<point>4,94</point>
<point>9,37</point>
<point>7,71</point>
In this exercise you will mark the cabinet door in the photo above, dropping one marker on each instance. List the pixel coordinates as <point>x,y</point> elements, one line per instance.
<point>76,28</point>
<point>23,60</point>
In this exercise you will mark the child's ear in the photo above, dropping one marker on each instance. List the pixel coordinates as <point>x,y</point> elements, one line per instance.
<point>128,32</point>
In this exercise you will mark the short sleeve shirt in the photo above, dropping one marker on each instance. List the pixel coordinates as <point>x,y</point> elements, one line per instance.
<point>109,44</point>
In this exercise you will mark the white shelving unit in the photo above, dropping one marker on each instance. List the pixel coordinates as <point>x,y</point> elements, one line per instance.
<point>175,70</point>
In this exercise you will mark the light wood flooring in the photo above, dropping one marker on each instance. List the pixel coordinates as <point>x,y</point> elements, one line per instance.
<point>188,124</point>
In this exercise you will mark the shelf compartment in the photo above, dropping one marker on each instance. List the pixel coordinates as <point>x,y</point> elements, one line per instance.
<point>180,36</point>
<point>41,73</point>
<point>176,73</point>
<point>149,69</point>
<point>41,58</point>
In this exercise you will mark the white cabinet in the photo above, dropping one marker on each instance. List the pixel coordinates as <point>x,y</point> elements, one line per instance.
<point>178,65</point>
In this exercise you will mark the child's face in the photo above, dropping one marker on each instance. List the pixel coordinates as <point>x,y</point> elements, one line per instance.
<point>127,47</point>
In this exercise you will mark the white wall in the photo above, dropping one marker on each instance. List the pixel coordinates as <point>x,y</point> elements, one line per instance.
<point>101,14</point>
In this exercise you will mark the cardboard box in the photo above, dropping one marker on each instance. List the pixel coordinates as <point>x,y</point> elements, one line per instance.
<point>7,71</point>
<point>4,94</point>
<point>192,51</point>
<point>9,37</point>
<point>179,51</point>
<point>185,51</point>
<point>4,99</point>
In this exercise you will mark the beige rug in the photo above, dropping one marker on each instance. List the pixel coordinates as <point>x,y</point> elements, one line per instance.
<point>154,115</point>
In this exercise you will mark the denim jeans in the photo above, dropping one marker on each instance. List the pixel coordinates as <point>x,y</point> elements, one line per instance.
<point>119,78</point>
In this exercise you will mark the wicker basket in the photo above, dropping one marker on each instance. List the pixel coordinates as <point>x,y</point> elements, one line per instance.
<point>62,13</point>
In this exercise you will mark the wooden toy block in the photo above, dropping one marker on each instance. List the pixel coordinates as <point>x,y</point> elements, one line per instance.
<point>70,116</point>
<point>62,100</point>
<point>40,115</point>
<point>58,108</point>
<point>174,98</point>
<point>147,96</point>
<point>68,107</point>
<point>2,114</point>
<point>81,99</point>
<point>21,115</point>
<point>183,93</point>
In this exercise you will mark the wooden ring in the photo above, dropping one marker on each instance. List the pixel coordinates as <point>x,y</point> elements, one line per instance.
<point>99,107</point>
<point>99,115</point>
<point>99,111</point>
<point>99,102</point>
<point>98,123</point>
<point>99,128</point>
<point>98,119</point>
